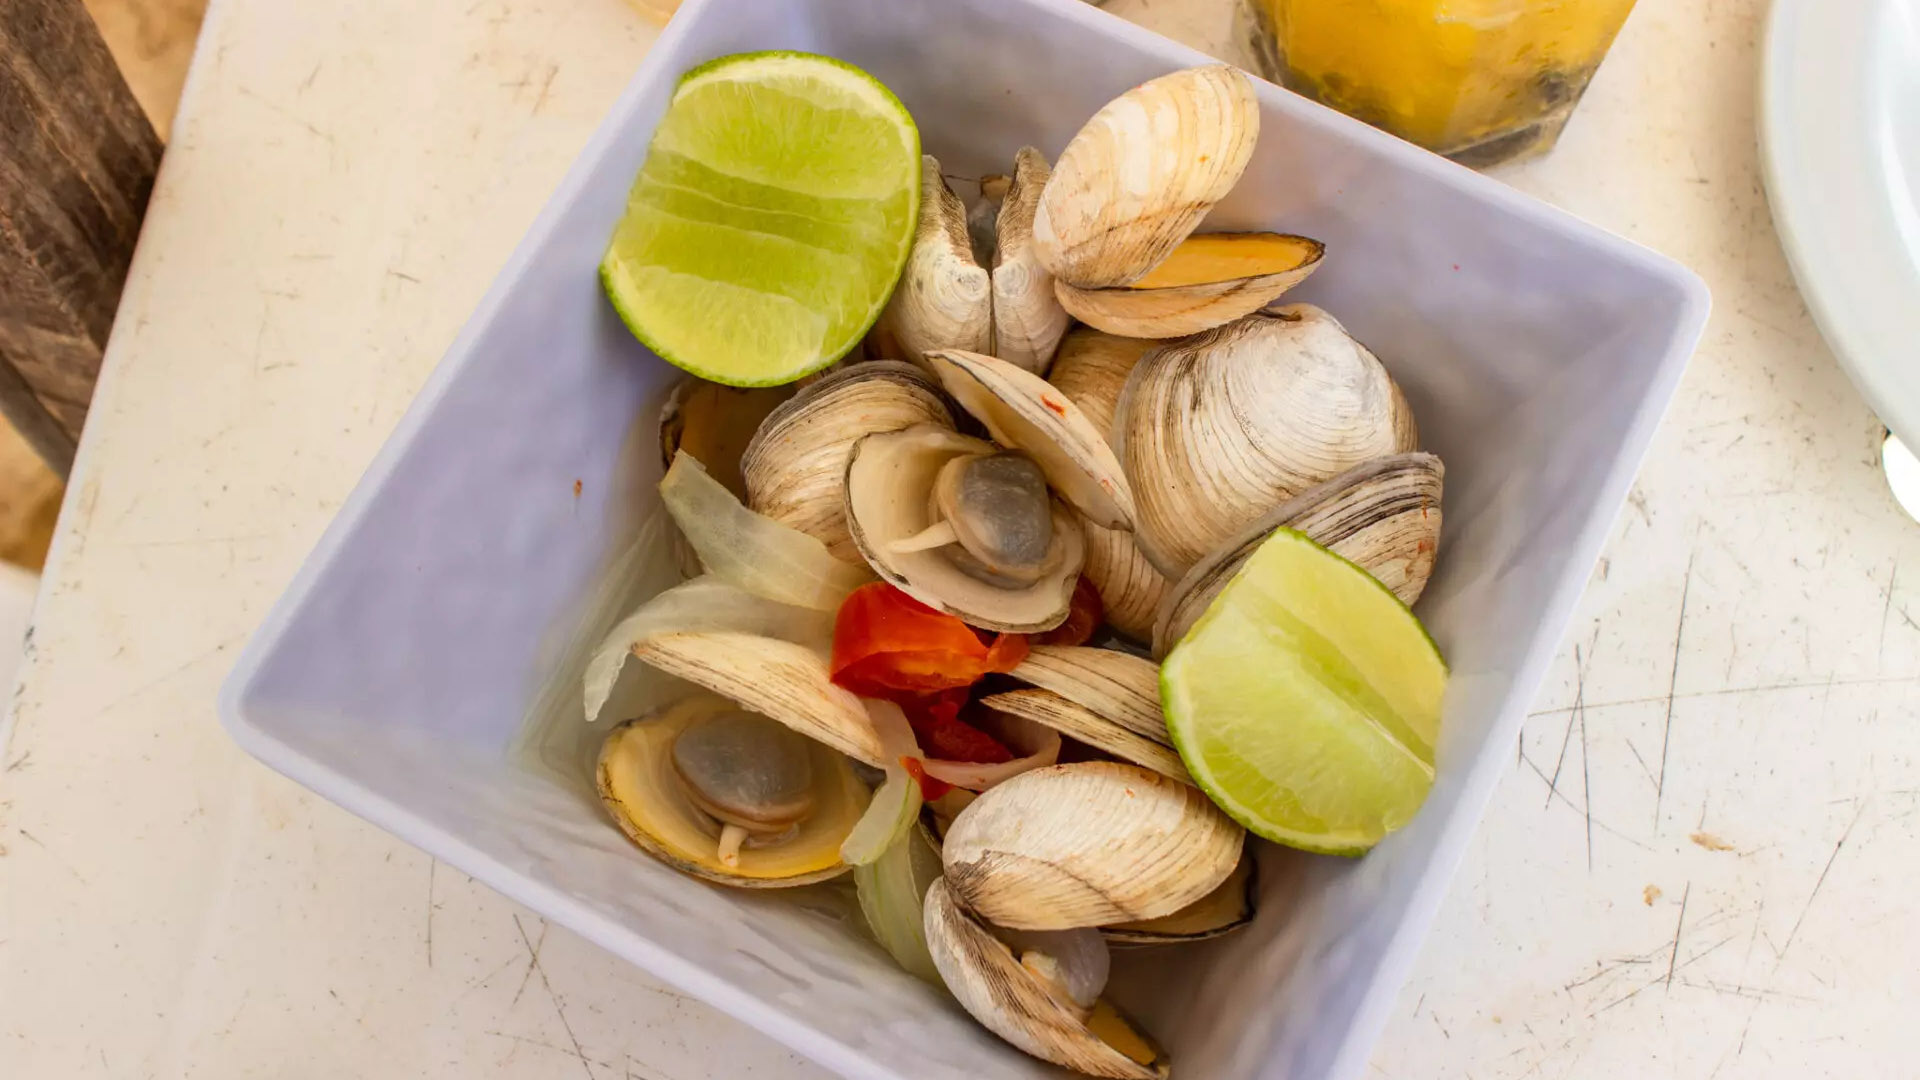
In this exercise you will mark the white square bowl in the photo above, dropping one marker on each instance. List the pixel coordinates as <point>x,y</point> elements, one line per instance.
<point>443,613</point>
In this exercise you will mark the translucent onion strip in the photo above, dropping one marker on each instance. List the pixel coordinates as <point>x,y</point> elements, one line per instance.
<point>706,603</point>
<point>892,890</point>
<point>896,802</point>
<point>754,553</point>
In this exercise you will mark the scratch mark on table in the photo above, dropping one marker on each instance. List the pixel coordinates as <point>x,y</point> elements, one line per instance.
<point>585,1061</point>
<point>1607,969</point>
<point>51,854</point>
<point>1730,691</point>
<point>1586,777</point>
<point>1678,927</point>
<point>1673,682</point>
<point>432,865</point>
<point>20,762</point>
<point>1781,956</point>
<point>1748,992</point>
<point>1886,613</point>
<point>170,673</point>
<point>533,959</point>
<point>546,87</point>
<point>1569,803</point>
<point>1566,738</point>
<point>1644,767</point>
<point>565,1024</point>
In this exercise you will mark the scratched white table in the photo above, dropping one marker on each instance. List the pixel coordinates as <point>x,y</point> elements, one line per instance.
<point>1702,864</point>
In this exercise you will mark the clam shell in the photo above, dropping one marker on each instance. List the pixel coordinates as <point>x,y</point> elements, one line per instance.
<point>1180,310</point>
<point>944,299</point>
<point>1217,429</point>
<point>1383,516</point>
<point>995,989</point>
<point>888,478</point>
<point>795,467</point>
<point>1091,727</point>
<point>1091,367</point>
<point>1087,844</point>
<point>1140,176</point>
<point>716,424</point>
<point>1028,320</point>
<point>787,682</point>
<point>632,776</point>
<point>1024,412</point>
<point>1120,687</point>
<point>1222,911</point>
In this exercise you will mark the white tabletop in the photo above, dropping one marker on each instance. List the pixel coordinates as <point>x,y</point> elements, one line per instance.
<point>1720,884</point>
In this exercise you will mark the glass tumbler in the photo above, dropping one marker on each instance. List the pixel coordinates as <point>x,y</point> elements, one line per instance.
<point>1481,81</point>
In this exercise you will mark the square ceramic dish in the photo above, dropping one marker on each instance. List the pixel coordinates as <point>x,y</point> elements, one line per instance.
<point>443,615</point>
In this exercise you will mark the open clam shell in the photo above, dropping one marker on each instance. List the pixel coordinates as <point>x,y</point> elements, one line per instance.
<point>1087,844</point>
<point>1091,368</point>
<point>1028,320</point>
<point>715,424</point>
<point>889,478</point>
<point>1119,686</point>
<point>1216,429</point>
<point>944,299</point>
<point>1222,911</point>
<point>1383,516</point>
<point>1076,721</point>
<point>635,779</point>
<point>1025,412</point>
<point>1212,288</point>
<point>1010,999</point>
<point>794,469</point>
<point>778,679</point>
<point>1143,172</point>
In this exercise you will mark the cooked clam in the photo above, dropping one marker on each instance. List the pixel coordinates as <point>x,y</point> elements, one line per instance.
<point>1091,367</point>
<point>1106,699</point>
<point>1119,686</point>
<point>1383,516</point>
<point>1217,429</point>
<point>1141,174</point>
<point>944,299</point>
<point>964,527</point>
<point>1208,281</point>
<point>1222,911</point>
<point>730,796</point>
<point>983,218</point>
<point>795,466</point>
<point>1024,412</point>
<point>1087,844</point>
<point>715,423</point>
<point>781,680</point>
<point>1028,320</point>
<point>1076,721</point>
<point>1040,992</point>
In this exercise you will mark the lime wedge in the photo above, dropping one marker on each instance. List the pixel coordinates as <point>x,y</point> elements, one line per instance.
<point>1306,701</point>
<point>775,211</point>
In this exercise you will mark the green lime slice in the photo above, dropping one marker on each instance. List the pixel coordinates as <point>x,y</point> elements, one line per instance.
<point>1306,701</point>
<point>775,211</point>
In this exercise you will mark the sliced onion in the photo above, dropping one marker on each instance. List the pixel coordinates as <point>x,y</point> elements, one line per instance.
<point>892,891</point>
<point>896,802</point>
<point>890,723</point>
<point>1044,750</point>
<point>751,551</point>
<point>704,604</point>
<point>890,815</point>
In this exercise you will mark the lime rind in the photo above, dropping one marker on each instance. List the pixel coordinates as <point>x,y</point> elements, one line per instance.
<point>1335,728</point>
